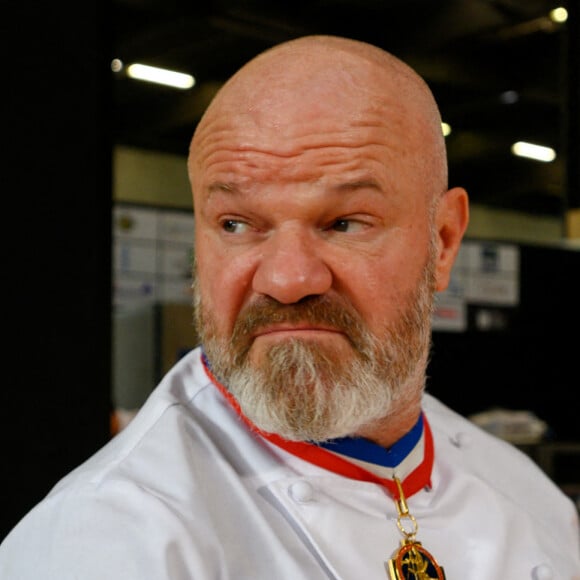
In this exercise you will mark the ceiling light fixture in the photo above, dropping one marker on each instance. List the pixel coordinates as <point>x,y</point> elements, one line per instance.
<point>160,76</point>
<point>559,15</point>
<point>446,128</point>
<point>533,151</point>
<point>117,65</point>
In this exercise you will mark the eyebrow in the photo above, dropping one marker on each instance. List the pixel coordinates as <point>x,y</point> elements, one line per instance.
<point>222,187</point>
<point>230,187</point>
<point>358,184</point>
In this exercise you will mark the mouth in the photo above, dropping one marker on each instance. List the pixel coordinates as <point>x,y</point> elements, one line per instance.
<point>300,330</point>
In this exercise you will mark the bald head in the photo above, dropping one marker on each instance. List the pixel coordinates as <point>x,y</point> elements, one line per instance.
<point>298,93</point>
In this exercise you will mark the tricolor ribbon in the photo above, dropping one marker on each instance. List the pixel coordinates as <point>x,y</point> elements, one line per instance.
<point>416,480</point>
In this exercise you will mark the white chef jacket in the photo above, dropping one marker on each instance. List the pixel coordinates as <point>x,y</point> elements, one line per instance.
<point>186,491</point>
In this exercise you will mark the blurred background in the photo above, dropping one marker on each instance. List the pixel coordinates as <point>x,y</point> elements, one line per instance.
<point>498,69</point>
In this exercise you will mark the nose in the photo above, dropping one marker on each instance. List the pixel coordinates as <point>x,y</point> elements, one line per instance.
<point>290,268</point>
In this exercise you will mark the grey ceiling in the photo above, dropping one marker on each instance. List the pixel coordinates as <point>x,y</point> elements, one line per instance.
<point>473,53</point>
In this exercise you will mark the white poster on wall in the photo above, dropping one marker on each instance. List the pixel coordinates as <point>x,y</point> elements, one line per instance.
<point>484,273</point>
<point>152,255</point>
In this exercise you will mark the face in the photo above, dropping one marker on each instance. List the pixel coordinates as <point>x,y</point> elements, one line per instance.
<point>316,263</point>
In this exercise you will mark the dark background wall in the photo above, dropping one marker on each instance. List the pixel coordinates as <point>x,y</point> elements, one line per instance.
<point>533,363</point>
<point>56,200</point>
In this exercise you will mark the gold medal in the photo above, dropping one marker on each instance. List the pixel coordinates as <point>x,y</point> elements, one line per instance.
<point>412,561</point>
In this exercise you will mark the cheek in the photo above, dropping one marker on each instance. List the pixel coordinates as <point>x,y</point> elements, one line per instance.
<point>377,296</point>
<point>223,284</point>
<point>380,288</point>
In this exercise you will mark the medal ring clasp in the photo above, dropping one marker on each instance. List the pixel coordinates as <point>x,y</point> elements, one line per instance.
<point>409,534</point>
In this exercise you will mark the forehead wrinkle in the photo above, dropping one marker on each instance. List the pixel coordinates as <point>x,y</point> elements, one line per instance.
<point>344,186</point>
<point>243,139</point>
<point>254,131</point>
<point>303,161</point>
<point>332,169</point>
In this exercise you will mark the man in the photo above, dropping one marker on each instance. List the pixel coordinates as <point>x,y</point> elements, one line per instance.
<point>299,442</point>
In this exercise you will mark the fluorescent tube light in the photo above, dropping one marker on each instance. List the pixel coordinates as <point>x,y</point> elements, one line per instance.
<point>160,76</point>
<point>533,151</point>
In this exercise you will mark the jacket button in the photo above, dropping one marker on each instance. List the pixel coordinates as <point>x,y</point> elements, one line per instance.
<point>301,491</point>
<point>461,440</point>
<point>542,572</point>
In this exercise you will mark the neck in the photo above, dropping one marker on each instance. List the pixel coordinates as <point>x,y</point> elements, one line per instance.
<point>387,431</point>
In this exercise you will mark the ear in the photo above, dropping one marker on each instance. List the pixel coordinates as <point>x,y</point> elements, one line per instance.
<point>451,218</point>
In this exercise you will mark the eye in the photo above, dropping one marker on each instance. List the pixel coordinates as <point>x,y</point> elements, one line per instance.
<point>346,225</point>
<point>234,226</point>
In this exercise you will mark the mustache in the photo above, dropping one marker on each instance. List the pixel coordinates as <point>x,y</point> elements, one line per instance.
<point>314,310</point>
